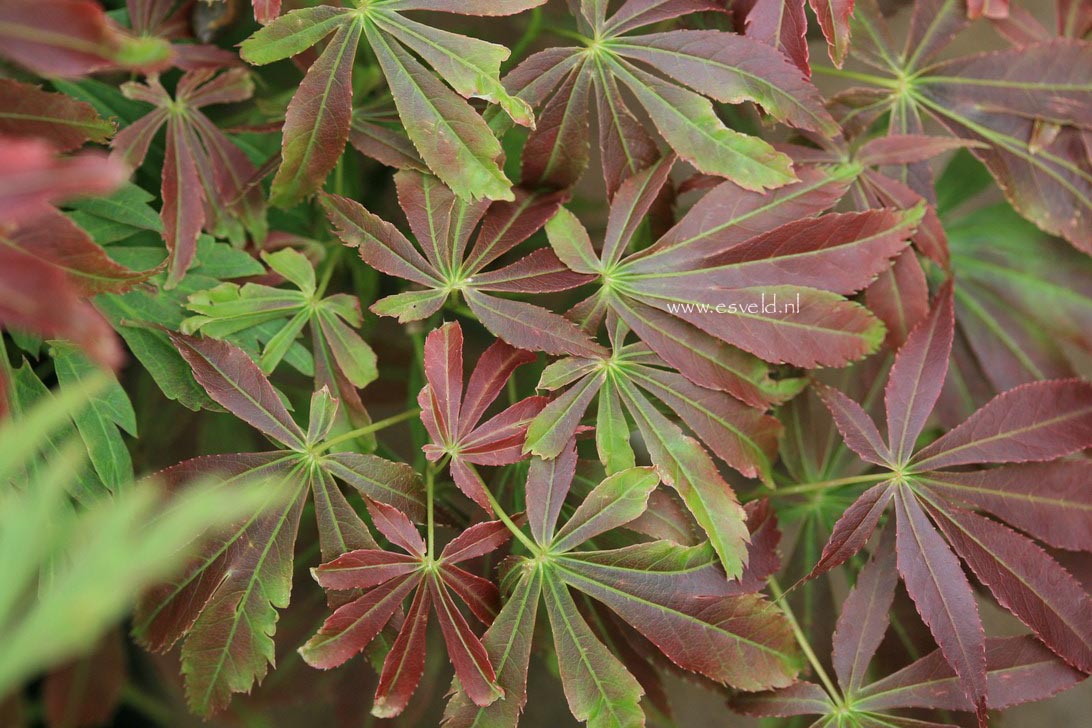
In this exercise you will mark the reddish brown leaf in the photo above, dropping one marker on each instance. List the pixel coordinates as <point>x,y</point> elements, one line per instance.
<point>942,595</point>
<point>917,376</point>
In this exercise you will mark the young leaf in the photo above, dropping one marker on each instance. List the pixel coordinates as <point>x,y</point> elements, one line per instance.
<point>453,418</point>
<point>443,225</point>
<point>390,577</point>
<point>463,153</point>
<point>699,63</point>
<point>205,176</point>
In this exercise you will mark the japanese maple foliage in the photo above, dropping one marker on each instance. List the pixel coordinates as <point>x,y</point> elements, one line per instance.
<point>617,362</point>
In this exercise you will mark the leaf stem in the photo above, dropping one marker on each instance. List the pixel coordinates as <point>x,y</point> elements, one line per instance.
<point>528,37</point>
<point>825,484</point>
<point>516,530</point>
<point>430,491</point>
<point>368,429</point>
<point>146,704</point>
<point>805,646</point>
<point>328,271</point>
<point>890,83</point>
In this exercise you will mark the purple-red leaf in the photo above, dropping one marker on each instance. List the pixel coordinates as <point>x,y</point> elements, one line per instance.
<point>467,655</point>
<point>405,662</point>
<point>856,426</point>
<point>398,529</point>
<point>453,420</point>
<point>852,531</point>
<point>942,595</point>
<point>865,616</point>
<point>74,38</point>
<point>28,111</point>
<point>352,627</point>
<point>1050,501</point>
<point>833,18</point>
<point>1033,422</point>
<point>1024,580</point>
<point>917,376</point>
<point>1019,670</point>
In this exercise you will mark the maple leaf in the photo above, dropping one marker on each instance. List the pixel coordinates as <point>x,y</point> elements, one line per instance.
<point>449,135</point>
<point>225,601</point>
<point>74,38</point>
<point>1002,99</point>
<point>740,248</point>
<point>622,384</point>
<point>391,577</point>
<point>690,67</point>
<point>727,636</point>
<point>205,176</point>
<point>453,416</point>
<point>267,322</point>
<point>1018,669</point>
<point>443,224</point>
<point>899,296</point>
<point>1029,426</point>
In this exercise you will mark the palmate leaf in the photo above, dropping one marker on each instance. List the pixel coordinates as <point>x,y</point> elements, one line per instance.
<point>452,416</point>
<point>741,436</point>
<point>680,296</point>
<point>688,68</point>
<point>999,99</point>
<point>443,224</point>
<point>1017,669</point>
<point>714,279</point>
<point>899,296</point>
<point>391,577</point>
<point>732,638</point>
<point>1035,423</point>
<point>448,134</point>
<point>225,602</point>
<point>267,322</point>
<point>205,176</point>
